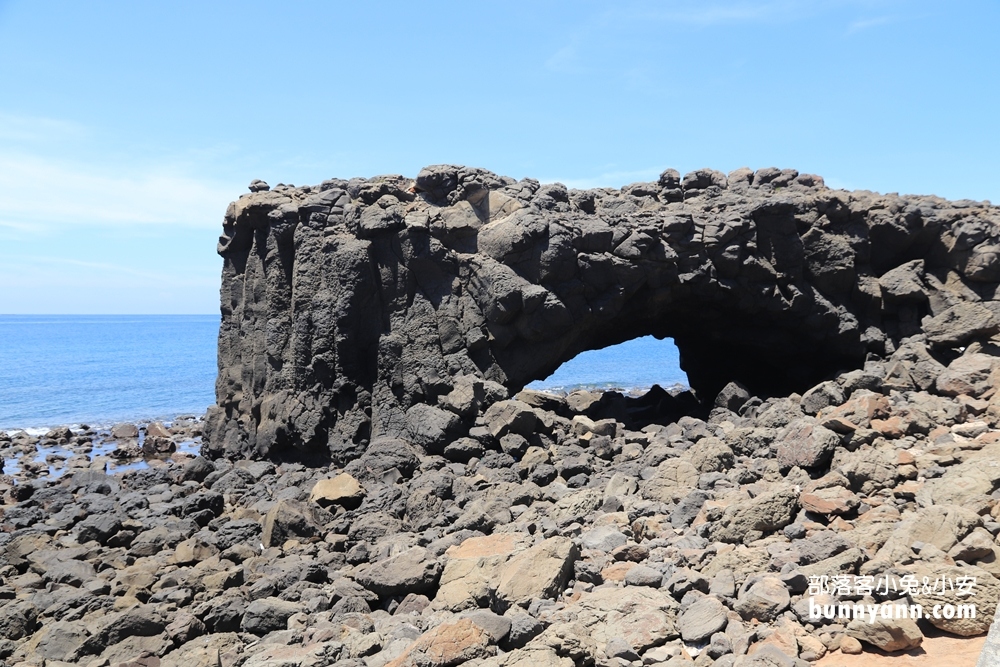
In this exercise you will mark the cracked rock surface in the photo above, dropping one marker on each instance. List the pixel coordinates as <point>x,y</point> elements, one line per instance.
<point>405,308</point>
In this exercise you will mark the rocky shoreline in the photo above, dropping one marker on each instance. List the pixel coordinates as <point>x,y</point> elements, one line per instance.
<point>27,454</point>
<point>561,531</point>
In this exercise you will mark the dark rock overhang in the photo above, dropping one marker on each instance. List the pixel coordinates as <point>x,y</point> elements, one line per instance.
<point>405,308</point>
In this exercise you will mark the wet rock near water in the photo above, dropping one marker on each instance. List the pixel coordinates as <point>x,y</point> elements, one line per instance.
<point>121,447</point>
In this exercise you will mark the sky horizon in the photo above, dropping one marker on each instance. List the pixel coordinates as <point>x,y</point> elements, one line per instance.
<point>126,128</point>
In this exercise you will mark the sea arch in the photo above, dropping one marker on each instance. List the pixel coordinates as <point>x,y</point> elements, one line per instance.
<point>362,308</point>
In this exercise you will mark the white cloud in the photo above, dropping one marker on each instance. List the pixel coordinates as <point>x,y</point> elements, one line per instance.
<point>39,193</point>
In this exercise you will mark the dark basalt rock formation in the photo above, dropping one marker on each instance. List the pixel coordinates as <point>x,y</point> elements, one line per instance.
<point>401,308</point>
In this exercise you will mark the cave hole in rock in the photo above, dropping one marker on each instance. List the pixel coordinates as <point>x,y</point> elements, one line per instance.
<point>642,377</point>
<point>632,367</point>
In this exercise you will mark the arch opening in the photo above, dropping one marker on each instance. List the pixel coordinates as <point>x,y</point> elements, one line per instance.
<point>640,381</point>
<point>632,368</point>
<point>715,339</point>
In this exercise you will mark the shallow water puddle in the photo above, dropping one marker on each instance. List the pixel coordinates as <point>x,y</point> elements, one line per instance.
<point>56,456</point>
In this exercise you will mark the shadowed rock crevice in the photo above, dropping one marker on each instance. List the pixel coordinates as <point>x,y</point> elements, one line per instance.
<point>404,308</point>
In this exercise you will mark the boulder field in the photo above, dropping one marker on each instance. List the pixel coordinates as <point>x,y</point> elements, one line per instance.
<point>559,536</point>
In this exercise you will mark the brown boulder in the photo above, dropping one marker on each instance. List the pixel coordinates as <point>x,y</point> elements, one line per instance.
<point>341,490</point>
<point>539,572</point>
<point>446,645</point>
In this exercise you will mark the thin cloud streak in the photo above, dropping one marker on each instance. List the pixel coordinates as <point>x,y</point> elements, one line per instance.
<point>710,14</point>
<point>36,129</point>
<point>45,193</point>
<point>571,57</point>
<point>718,15</point>
<point>102,266</point>
<point>27,270</point>
<point>704,14</point>
<point>865,24</point>
<point>18,226</point>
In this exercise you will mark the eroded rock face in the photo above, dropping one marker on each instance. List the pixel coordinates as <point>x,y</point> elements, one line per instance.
<point>405,308</point>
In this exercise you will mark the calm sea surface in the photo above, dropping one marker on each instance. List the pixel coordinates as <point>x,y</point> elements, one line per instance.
<point>99,369</point>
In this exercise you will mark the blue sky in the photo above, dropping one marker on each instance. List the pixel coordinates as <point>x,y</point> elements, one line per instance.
<point>125,128</point>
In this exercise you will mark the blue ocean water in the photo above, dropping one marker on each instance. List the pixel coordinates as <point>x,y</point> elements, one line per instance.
<point>636,364</point>
<point>98,369</point>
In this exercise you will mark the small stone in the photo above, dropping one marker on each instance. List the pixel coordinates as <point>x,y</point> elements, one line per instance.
<point>635,553</point>
<point>510,416</point>
<point>194,550</point>
<point>413,603</point>
<point>498,627</point>
<point>463,449</point>
<point>723,584</point>
<point>834,500</point>
<point>157,430</point>
<point>810,648</point>
<point>850,645</point>
<point>960,324</point>
<point>523,628</point>
<point>447,644</point>
<point>197,469</point>
<point>732,397</point>
<point>806,444</point>
<point>124,431</point>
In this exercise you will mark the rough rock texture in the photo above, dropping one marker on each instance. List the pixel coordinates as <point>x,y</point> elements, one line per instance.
<point>887,634</point>
<point>636,546</point>
<point>404,308</point>
<point>991,649</point>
